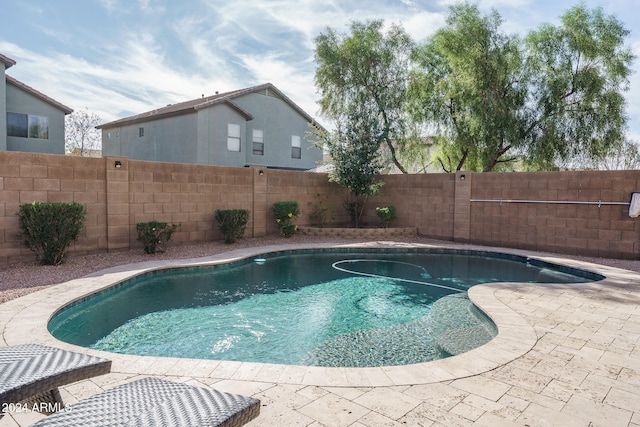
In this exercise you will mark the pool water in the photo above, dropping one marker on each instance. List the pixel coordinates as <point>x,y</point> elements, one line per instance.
<point>323,308</point>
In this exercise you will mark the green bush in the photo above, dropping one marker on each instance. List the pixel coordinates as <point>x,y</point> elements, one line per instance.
<point>285,212</point>
<point>386,215</point>
<point>154,235</point>
<point>232,223</point>
<point>322,214</point>
<point>49,228</point>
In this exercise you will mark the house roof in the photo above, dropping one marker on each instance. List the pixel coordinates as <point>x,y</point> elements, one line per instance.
<point>38,94</point>
<point>204,102</point>
<point>8,62</point>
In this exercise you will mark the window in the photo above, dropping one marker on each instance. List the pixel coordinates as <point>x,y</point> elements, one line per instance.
<point>233,137</point>
<point>296,151</point>
<point>17,125</point>
<point>140,132</point>
<point>38,127</point>
<point>27,126</point>
<point>258,142</point>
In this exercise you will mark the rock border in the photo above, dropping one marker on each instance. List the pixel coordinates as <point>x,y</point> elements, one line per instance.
<point>358,233</point>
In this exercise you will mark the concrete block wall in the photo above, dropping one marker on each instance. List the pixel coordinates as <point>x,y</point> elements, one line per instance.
<point>308,189</point>
<point>29,177</point>
<point>188,195</point>
<point>584,229</point>
<point>118,193</point>
<point>422,201</point>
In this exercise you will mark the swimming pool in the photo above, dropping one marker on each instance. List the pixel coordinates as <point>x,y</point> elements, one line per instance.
<point>321,307</point>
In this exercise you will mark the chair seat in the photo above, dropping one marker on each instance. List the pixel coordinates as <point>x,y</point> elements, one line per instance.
<point>157,402</point>
<point>29,370</point>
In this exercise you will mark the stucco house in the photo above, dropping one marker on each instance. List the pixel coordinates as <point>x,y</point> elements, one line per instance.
<point>29,120</point>
<point>256,126</point>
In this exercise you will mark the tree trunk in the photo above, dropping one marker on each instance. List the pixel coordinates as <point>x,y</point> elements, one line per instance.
<point>496,159</point>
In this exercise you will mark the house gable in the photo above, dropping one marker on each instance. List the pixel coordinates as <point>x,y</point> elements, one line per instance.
<point>189,107</point>
<point>41,96</point>
<point>279,124</point>
<point>29,120</point>
<point>263,116</point>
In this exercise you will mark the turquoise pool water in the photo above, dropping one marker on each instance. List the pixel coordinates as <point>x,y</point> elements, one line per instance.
<point>320,308</point>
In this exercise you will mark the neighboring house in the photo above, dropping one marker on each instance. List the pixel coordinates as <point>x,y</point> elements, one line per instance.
<point>257,126</point>
<point>29,120</point>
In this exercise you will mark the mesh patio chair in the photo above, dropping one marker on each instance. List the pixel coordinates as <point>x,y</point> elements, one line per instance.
<point>31,373</point>
<point>156,402</point>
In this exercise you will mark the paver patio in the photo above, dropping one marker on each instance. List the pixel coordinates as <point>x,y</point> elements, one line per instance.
<point>566,355</point>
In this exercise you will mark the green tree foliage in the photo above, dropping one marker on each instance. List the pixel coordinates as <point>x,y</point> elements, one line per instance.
<point>354,150</point>
<point>367,70</point>
<point>495,99</point>
<point>470,85</point>
<point>624,155</point>
<point>582,69</point>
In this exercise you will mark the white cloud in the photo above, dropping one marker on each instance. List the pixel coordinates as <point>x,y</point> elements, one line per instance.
<point>137,81</point>
<point>495,4</point>
<point>295,80</point>
<point>178,51</point>
<point>422,25</point>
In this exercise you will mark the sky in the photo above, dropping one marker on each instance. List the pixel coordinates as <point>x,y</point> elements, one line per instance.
<point>118,58</point>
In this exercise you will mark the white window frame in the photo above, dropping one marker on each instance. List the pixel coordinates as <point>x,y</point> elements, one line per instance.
<point>258,142</point>
<point>296,147</point>
<point>233,137</point>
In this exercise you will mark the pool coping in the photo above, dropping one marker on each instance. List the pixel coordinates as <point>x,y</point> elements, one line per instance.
<point>24,320</point>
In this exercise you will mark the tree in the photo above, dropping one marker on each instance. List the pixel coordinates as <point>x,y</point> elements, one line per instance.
<point>496,99</point>
<point>624,155</point>
<point>367,68</point>
<point>471,84</point>
<point>82,137</point>
<point>354,151</point>
<point>582,71</point>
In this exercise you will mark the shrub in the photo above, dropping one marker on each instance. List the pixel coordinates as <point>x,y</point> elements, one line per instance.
<point>386,215</point>
<point>322,213</point>
<point>232,223</point>
<point>49,228</point>
<point>284,213</point>
<point>154,235</point>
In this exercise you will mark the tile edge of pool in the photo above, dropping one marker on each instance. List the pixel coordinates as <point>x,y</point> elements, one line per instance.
<point>25,320</point>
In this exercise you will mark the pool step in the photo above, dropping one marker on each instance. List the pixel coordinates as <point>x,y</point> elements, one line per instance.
<point>453,325</point>
<point>461,340</point>
<point>459,326</point>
